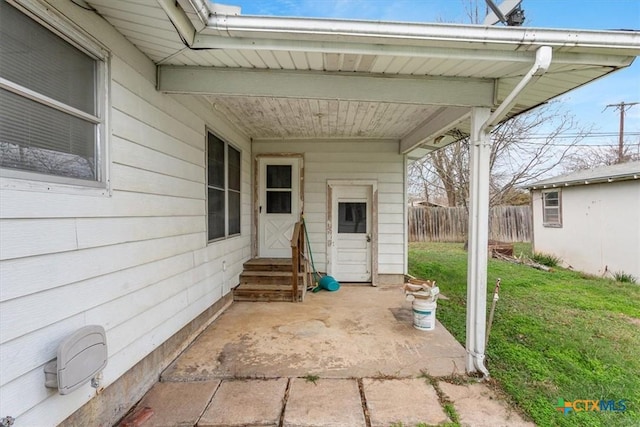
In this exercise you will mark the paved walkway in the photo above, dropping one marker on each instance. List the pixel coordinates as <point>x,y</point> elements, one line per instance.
<point>348,358</point>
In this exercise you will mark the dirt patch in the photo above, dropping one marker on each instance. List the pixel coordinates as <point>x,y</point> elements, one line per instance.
<point>632,320</point>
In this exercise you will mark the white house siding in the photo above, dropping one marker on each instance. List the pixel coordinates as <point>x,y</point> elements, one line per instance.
<point>600,227</point>
<point>136,261</point>
<point>349,160</point>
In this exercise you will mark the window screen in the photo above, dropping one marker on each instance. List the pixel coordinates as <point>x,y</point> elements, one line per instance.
<point>38,67</point>
<point>223,188</point>
<point>551,209</point>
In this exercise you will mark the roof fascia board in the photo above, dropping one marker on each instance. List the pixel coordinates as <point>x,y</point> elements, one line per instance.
<point>585,181</point>
<point>444,120</point>
<point>403,33</point>
<point>433,52</point>
<point>321,85</point>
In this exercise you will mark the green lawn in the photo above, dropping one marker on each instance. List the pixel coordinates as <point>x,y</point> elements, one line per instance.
<point>558,335</point>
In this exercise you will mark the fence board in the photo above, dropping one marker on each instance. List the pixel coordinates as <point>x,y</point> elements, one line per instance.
<point>438,224</point>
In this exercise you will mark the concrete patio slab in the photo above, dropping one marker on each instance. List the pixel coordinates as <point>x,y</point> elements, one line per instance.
<point>246,402</point>
<point>358,331</point>
<point>407,401</point>
<point>478,406</point>
<point>174,404</point>
<point>327,402</point>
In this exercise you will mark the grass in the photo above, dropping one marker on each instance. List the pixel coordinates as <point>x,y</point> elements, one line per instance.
<point>546,259</point>
<point>558,335</point>
<point>621,276</point>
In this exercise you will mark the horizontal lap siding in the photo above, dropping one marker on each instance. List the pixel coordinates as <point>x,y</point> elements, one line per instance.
<point>136,262</point>
<point>347,160</point>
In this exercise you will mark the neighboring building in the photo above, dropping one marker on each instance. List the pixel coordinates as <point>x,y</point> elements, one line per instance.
<point>590,219</point>
<point>148,149</point>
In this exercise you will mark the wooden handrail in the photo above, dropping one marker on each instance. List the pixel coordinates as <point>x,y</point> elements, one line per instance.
<point>296,234</point>
<point>297,252</point>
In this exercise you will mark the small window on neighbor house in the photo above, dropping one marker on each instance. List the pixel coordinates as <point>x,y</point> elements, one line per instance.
<point>51,103</point>
<point>551,208</point>
<point>223,188</point>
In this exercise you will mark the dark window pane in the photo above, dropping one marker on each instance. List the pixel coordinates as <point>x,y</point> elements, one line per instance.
<point>34,57</point>
<point>352,217</point>
<point>234,168</point>
<point>234,212</point>
<point>38,138</point>
<point>279,202</point>
<point>216,213</point>
<point>278,176</point>
<point>215,158</point>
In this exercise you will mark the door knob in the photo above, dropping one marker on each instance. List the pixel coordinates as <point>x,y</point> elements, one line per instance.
<point>368,238</point>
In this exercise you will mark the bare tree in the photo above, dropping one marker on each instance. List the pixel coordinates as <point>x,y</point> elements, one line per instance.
<point>523,149</point>
<point>592,157</point>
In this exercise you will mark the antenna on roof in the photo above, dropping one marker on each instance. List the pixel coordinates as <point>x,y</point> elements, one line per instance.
<point>509,13</point>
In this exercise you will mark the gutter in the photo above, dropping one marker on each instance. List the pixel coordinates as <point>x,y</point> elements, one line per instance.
<point>403,33</point>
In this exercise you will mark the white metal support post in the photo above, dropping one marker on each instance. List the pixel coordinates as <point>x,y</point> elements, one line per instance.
<point>480,146</point>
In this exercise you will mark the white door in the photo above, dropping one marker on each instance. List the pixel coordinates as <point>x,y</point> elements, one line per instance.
<point>351,233</point>
<point>278,205</point>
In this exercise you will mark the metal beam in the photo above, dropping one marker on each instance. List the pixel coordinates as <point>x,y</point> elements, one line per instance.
<point>438,124</point>
<point>321,85</point>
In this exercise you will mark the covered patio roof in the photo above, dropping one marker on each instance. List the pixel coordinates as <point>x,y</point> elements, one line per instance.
<point>421,85</point>
<point>293,78</point>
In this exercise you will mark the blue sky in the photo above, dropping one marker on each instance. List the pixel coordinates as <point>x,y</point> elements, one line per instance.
<point>586,104</point>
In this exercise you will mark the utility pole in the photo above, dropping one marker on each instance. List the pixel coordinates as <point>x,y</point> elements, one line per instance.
<point>622,107</point>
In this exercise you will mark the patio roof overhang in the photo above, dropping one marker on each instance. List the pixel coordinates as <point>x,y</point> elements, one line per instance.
<point>421,85</point>
<point>414,83</point>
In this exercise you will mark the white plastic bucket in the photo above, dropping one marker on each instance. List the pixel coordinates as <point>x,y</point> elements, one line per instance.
<point>424,314</point>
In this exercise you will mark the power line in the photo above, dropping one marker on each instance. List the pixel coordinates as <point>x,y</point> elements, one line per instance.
<point>577,135</point>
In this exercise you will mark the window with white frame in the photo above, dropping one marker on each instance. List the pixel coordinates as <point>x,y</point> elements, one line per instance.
<point>223,188</point>
<point>551,208</point>
<point>52,101</point>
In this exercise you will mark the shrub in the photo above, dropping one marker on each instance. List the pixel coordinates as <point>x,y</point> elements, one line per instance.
<point>549,260</point>
<point>621,276</point>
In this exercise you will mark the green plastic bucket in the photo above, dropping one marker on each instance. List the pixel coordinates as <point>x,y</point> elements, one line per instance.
<point>329,283</point>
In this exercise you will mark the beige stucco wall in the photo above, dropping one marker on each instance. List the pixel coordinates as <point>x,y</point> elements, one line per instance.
<point>600,228</point>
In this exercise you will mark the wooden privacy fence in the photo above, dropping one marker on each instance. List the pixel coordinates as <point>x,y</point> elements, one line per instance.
<point>431,224</point>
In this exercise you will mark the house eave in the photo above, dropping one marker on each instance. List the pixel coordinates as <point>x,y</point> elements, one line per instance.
<point>574,183</point>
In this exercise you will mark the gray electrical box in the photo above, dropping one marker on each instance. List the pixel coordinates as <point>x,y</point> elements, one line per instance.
<point>80,357</point>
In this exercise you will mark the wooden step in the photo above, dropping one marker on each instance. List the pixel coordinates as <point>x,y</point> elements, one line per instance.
<point>268,264</point>
<point>253,292</point>
<point>268,277</point>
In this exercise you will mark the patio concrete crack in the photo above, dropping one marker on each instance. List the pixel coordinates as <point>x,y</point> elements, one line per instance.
<point>284,402</point>
<point>363,398</point>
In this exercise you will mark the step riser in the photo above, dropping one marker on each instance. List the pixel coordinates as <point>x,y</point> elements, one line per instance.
<point>266,280</point>
<point>255,267</point>
<point>254,295</point>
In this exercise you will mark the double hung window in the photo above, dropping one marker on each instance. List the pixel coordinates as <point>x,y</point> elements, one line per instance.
<point>52,102</point>
<point>223,188</point>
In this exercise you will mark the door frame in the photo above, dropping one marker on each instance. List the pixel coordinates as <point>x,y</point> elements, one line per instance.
<point>373,185</point>
<point>256,190</point>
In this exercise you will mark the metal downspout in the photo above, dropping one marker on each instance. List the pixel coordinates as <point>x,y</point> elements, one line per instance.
<point>541,65</point>
<point>539,68</point>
